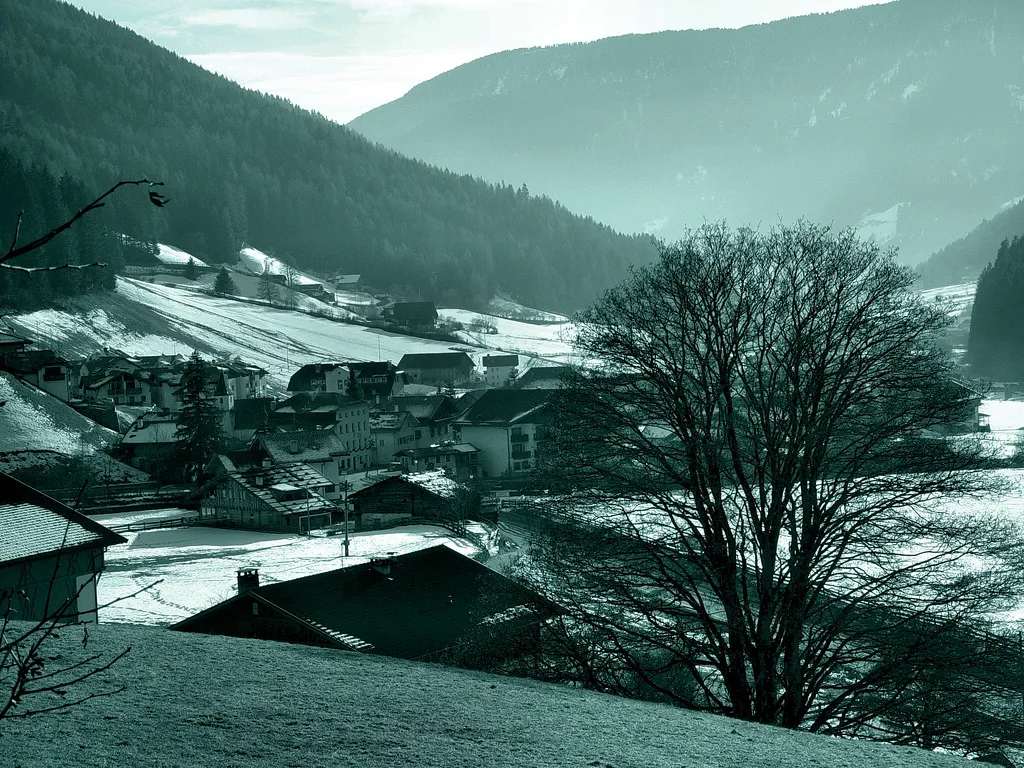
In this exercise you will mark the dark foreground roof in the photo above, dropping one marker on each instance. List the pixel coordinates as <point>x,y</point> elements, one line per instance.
<point>33,525</point>
<point>440,360</point>
<point>427,601</point>
<point>507,406</point>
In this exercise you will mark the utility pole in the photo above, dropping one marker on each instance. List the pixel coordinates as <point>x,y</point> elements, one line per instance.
<point>345,511</point>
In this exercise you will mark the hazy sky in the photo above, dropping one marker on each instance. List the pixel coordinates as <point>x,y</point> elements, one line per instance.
<point>344,57</point>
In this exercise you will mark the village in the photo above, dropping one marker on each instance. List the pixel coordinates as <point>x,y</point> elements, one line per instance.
<point>372,465</point>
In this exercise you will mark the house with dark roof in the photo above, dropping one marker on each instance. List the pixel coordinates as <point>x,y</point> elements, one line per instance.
<point>431,605</point>
<point>377,381</point>
<point>434,415</point>
<point>347,417</point>
<point>414,314</point>
<point>320,377</point>
<point>290,498</point>
<point>348,282</point>
<point>51,556</point>
<point>42,368</point>
<point>437,368</point>
<point>320,449</point>
<point>151,441</point>
<point>11,343</point>
<point>250,415</point>
<point>546,377</point>
<point>500,370</point>
<point>401,497</point>
<point>460,460</point>
<point>506,425</point>
<point>118,387</point>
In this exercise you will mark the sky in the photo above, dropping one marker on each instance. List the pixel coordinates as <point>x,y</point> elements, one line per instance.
<point>344,57</point>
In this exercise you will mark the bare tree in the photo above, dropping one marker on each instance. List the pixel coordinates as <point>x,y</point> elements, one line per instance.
<point>746,519</point>
<point>15,250</point>
<point>34,680</point>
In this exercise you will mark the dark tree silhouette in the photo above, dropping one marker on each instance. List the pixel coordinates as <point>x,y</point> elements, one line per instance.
<point>746,520</point>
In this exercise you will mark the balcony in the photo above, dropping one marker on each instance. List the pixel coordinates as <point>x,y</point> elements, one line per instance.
<point>519,439</point>
<point>520,455</point>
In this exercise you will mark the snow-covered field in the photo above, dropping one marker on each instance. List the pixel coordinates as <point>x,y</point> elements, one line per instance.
<point>146,318</point>
<point>196,567</point>
<point>960,297</point>
<point>1006,418</point>
<point>514,311</point>
<point>552,341</point>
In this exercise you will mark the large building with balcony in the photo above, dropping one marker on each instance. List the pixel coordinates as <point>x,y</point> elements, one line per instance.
<point>507,425</point>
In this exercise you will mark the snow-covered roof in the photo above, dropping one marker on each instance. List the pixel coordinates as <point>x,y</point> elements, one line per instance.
<point>34,525</point>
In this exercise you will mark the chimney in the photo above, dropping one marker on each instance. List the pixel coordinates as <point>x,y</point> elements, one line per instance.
<point>293,446</point>
<point>248,578</point>
<point>382,565</point>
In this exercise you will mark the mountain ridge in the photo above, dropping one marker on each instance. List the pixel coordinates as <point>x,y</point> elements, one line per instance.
<point>834,116</point>
<point>86,96</point>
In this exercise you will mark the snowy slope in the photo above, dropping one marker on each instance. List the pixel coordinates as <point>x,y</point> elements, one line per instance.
<point>31,420</point>
<point>203,701</point>
<point>168,254</point>
<point>144,318</point>
<point>255,261</point>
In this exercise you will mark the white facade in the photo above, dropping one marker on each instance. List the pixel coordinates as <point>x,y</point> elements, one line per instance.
<point>503,450</point>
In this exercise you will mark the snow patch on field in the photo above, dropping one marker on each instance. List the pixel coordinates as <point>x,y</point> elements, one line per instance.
<point>551,341</point>
<point>514,311</point>
<point>255,261</point>
<point>197,567</point>
<point>168,254</point>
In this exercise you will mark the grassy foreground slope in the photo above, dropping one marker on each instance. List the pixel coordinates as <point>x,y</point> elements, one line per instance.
<point>194,700</point>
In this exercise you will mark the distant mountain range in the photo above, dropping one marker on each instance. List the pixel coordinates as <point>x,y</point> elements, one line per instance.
<point>906,120</point>
<point>85,97</point>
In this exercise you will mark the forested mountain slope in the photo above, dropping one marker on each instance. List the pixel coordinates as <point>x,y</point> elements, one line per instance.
<point>905,119</point>
<point>968,256</point>
<point>81,95</point>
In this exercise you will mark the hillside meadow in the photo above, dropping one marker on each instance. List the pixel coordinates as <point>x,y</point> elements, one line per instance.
<point>196,700</point>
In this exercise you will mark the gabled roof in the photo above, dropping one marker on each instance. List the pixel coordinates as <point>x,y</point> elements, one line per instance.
<point>428,408</point>
<point>365,370</point>
<point>501,361</point>
<point>260,481</point>
<point>503,407</point>
<point>425,602</point>
<point>152,429</point>
<point>33,525</point>
<point>546,374</point>
<point>390,420</point>
<point>416,311</point>
<point>252,413</point>
<point>435,360</point>
<point>441,449</point>
<point>322,402</point>
<point>305,379</point>
<point>32,360</point>
<point>316,445</point>
<point>12,340</point>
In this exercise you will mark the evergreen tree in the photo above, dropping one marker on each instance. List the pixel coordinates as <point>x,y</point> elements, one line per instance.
<point>352,388</point>
<point>995,347</point>
<point>191,269</point>
<point>224,283</point>
<point>199,420</point>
